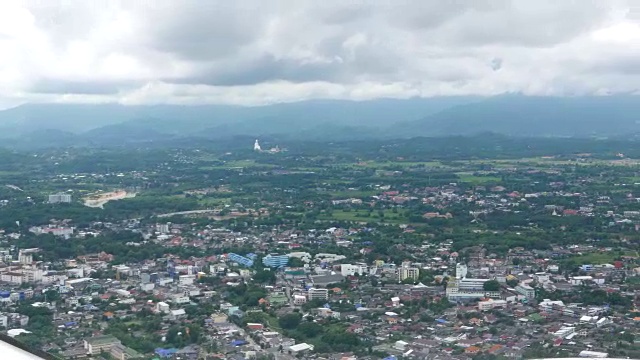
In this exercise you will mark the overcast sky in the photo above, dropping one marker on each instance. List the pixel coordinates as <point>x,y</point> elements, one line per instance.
<point>256,52</point>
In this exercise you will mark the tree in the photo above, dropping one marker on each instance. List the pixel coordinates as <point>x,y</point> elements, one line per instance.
<point>512,282</point>
<point>310,329</point>
<point>491,285</point>
<point>289,321</point>
<point>295,262</point>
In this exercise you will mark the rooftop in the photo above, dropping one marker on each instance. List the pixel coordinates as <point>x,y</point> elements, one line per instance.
<point>101,340</point>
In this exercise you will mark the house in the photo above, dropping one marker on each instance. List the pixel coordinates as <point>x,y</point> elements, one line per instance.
<point>300,348</point>
<point>177,314</point>
<point>472,350</point>
<point>96,344</point>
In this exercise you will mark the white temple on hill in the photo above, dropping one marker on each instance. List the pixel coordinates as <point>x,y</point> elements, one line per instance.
<point>256,146</point>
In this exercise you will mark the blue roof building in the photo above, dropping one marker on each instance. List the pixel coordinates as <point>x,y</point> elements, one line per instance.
<point>241,260</point>
<point>275,261</point>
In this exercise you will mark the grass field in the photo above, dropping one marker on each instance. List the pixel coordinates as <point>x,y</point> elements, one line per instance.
<point>393,164</point>
<point>353,193</point>
<point>477,180</point>
<point>236,164</point>
<point>597,258</point>
<point>361,216</point>
<point>212,201</point>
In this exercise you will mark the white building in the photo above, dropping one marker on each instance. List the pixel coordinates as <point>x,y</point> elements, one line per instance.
<point>526,291</point>
<point>59,198</point>
<point>579,280</point>
<point>299,300</point>
<point>162,307</point>
<point>187,279</point>
<point>351,270</point>
<point>593,354</point>
<point>315,293</point>
<point>12,277</point>
<point>491,304</point>
<point>256,146</point>
<point>300,348</point>
<point>162,228</point>
<point>180,299</point>
<point>468,289</point>
<point>25,257</point>
<point>33,275</point>
<point>461,271</point>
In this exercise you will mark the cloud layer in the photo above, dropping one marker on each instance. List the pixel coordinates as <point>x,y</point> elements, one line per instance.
<point>256,52</point>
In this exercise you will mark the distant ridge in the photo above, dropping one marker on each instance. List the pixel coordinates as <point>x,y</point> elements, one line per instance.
<point>44,125</point>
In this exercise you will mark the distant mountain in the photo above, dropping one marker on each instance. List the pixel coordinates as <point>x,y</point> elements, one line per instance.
<point>183,120</point>
<point>44,125</point>
<point>534,116</point>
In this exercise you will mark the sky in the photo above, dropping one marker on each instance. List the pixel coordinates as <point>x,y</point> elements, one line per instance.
<point>261,52</point>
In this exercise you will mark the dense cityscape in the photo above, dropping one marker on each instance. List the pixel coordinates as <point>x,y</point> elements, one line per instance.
<point>348,250</point>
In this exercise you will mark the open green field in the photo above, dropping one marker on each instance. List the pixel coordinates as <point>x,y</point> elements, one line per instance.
<point>391,164</point>
<point>632,179</point>
<point>597,258</point>
<point>549,161</point>
<point>212,201</point>
<point>361,216</point>
<point>236,164</point>
<point>353,193</point>
<point>477,179</point>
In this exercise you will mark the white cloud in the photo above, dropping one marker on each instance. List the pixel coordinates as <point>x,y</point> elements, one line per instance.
<point>254,52</point>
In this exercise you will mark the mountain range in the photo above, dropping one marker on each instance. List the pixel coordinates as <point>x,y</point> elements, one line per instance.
<point>514,115</point>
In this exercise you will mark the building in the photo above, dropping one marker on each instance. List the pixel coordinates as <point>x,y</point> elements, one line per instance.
<point>593,354</point>
<point>59,198</point>
<point>491,304</point>
<point>162,228</point>
<point>275,261</point>
<point>469,289</point>
<point>240,259</point>
<point>526,291</point>
<point>94,345</point>
<point>121,352</point>
<point>320,294</point>
<point>25,257</point>
<point>407,272</point>
<point>461,271</point>
<point>256,146</point>
<point>163,307</point>
<point>299,300</point>
<point>351,270</point>
<point>12,277</point>
<point>300,348</point>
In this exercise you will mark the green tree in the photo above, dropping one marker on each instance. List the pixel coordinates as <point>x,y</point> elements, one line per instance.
<point>491,285</point>
<point>289,321</point>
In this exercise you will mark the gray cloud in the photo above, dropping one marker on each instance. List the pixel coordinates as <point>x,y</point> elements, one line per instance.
<point>250,51</point>
<point>57,86</point>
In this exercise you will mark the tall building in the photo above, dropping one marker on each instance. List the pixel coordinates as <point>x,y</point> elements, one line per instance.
<point>275,261</point>
<point>407,272</point>
<point>320,294</point>
<point>256,146</point>
<point>162,228</point>
<point>25,257</point>
<point>59,198</point>
<point>461,271</point>
<point>527,291</point>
